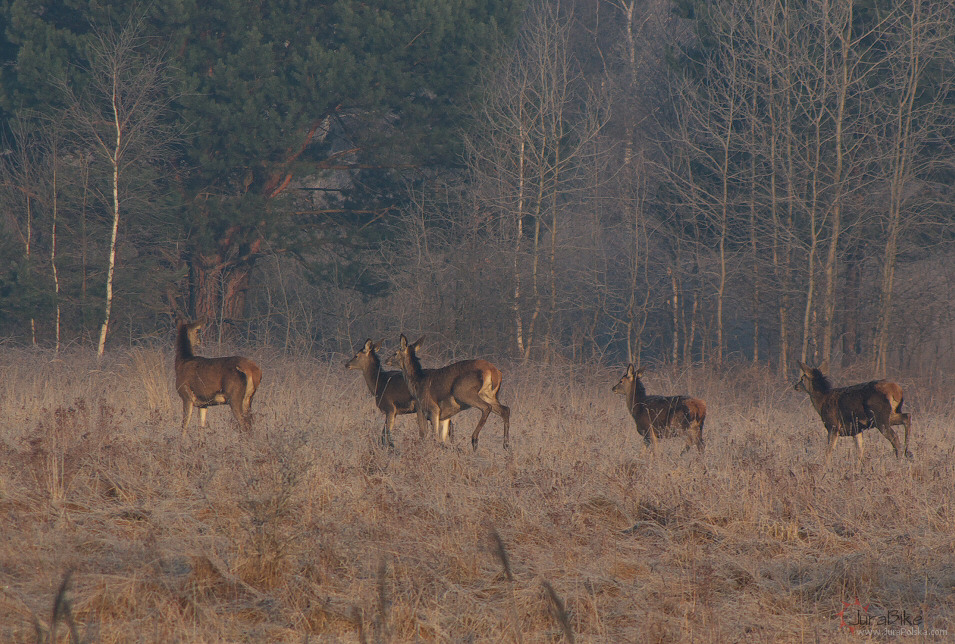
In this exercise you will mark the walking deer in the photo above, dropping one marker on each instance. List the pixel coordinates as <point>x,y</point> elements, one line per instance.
<point>204,382</point>
<point>662,416</point>
<point>847,411</point>
<point>388,387</point>
<point>442,393</point>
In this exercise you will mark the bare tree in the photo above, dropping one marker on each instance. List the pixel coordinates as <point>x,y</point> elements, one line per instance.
<point>533,137</point>
<point>707,129</point>
<point>915,117</point>
<point>54,156</point>
<point>120,116</point>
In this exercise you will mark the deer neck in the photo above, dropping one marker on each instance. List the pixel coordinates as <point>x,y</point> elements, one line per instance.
<point>183,345</point>
<point>817,397</point>
<point>636,393</point>
<point>374,375</point>
<point>413,373</point>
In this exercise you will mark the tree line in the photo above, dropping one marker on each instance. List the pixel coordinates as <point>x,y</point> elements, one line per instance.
<point>766,180</point>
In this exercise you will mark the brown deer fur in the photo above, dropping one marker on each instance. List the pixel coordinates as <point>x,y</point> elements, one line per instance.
<point>662,416</point>
<point>847,411</point>
<point>442,393</point>
<point>388,387</point>
<point>204,382</point>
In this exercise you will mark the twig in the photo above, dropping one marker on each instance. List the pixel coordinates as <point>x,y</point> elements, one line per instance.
<point>501,552</point>
<point>557,606</point>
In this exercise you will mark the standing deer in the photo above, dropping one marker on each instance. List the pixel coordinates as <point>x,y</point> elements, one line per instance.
<point>388,387</point>
<point>441,393</point>
<point>204,382</point>
<point>847,411</point>
<point>662,416</point>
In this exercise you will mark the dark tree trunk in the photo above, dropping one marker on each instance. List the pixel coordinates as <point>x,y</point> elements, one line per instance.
<point>219,293</point>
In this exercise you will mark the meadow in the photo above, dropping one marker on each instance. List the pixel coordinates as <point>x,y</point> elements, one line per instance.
<point>304,530</point>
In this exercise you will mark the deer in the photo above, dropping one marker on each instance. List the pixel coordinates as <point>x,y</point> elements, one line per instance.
<point>848,411</point>
<point>662,416</point>
<point>441,393</point>
<point>387,387</point>
<point>205,382</point>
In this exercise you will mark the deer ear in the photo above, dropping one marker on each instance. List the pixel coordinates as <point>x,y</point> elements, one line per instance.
<point>803,366</point>
<point>418,343</point>
<point>404,341</point>
<point>379,344</point>
<point>369,345</point>
<point>630,370</point>
<point>824,367</point>
<point>638,372</point>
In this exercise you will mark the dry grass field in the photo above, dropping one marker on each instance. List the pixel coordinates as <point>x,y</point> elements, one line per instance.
<point>305,531</point>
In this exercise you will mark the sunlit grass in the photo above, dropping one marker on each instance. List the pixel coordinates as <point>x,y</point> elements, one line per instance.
<point>305,528</point>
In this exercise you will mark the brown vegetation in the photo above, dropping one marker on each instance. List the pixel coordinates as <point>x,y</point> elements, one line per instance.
<point>847,411</point>
<point>205,382</point>
<point>304,530</point>
<point>662,416</point>
<point>442,393</point>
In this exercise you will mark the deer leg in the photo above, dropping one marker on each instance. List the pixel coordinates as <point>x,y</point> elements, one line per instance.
<point>892,437</point>
<point>241,414</point>
<point>386,430</point>
<point>505,414</point>
<point>435,417</point>
<point>202,417</point>
<point>485,412</point>
<point>833,437</point>
<point>689,440</point>
<point>186,414</point>
<point>859,449</point>
<point>422,423</point>
<point>899,418</point>
<point>444,429</point>
<point>884,423</point>
<point>693,437</point>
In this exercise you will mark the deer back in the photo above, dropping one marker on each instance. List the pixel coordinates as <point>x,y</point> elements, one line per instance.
<point>207,377</point>
<point>475,375</point>
<point>664,411</point>
<point>856,407</point>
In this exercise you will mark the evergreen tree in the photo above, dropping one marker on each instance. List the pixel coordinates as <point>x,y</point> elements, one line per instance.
<point>272,93</point>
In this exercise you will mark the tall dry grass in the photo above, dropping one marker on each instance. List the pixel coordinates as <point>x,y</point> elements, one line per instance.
<point>304,530</point>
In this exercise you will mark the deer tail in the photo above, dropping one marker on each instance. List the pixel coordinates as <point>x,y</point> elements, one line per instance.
<point>697,409</point>
<point>249,374</point>
<point>491,384</point>
<point>892,392</point>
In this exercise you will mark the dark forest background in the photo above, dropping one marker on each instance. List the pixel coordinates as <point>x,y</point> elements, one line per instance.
<point>679,181</point>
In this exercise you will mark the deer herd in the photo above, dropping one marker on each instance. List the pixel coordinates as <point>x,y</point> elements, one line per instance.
<point>435,395</point>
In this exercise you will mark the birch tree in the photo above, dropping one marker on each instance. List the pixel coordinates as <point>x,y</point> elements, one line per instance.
<point>120,117</point>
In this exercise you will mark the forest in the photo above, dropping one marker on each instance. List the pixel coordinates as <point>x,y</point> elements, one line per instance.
<point>678,181</point>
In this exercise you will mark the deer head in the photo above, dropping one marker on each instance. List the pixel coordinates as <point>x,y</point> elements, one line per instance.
<point>627,380</point>
<point>365,356</point>
<point>809,379</point>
